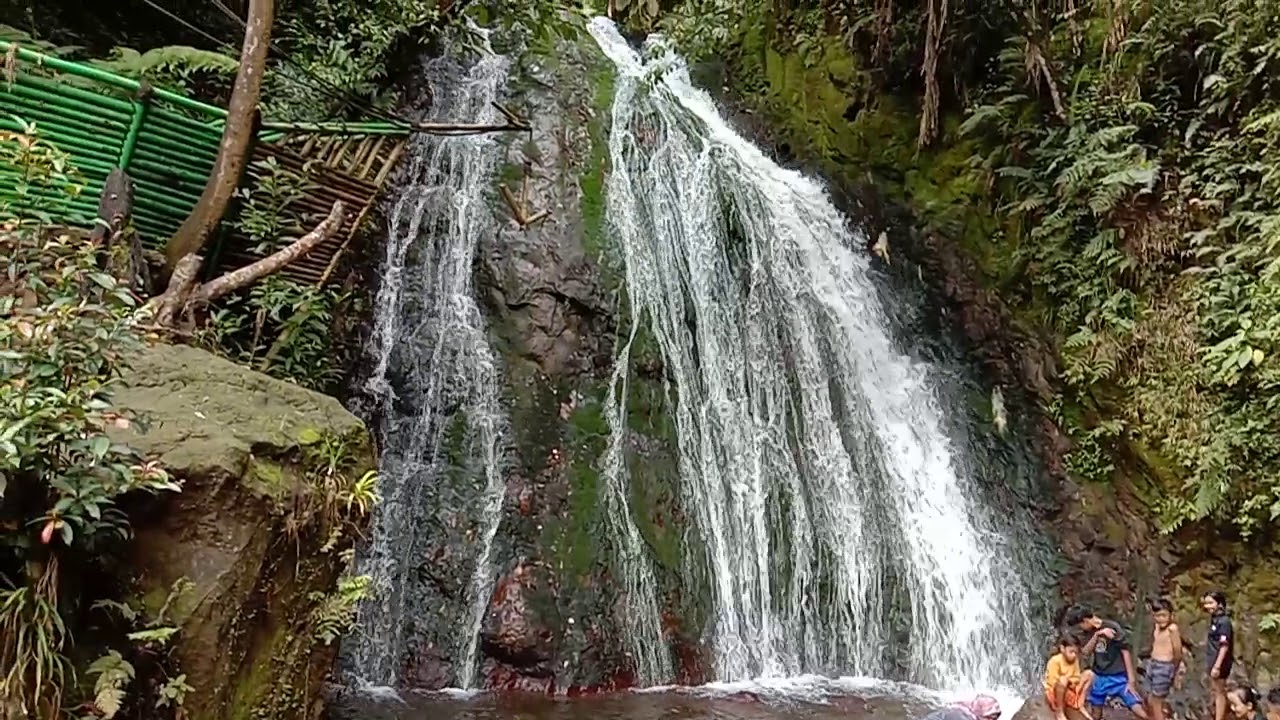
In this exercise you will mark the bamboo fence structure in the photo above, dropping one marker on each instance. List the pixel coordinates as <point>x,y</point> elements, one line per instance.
<point>167,144</point>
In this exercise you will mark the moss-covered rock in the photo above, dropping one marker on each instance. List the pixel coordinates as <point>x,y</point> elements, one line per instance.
<point>249,535</point>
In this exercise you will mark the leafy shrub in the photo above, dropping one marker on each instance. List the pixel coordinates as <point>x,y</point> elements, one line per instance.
<point>66,333</point>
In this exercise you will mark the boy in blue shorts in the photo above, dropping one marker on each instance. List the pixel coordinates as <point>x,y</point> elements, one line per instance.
<point>1114,675</point>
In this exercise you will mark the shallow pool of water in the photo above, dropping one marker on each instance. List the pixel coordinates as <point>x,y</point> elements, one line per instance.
<point>791,699</point>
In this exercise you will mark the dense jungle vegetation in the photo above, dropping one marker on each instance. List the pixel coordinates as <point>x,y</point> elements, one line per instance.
<point>1113,168</point>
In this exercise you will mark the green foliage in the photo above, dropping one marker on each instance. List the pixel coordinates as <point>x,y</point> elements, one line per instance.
<point>66,330</point>
<point>66,333</point>
<point>32,638</point>
<point>113,674</point>
<point>266,215</point>
<point>1269,623</point>
<point>179,68</point>
<point>279,326</point>
<point>148,644</point>
<point>341,51</point>
<point>283,328</point>
<point>331,463</point>
<point>8,33</point>
<point>174,692</point>
<point>335,613</point>
<point>1117,183</point>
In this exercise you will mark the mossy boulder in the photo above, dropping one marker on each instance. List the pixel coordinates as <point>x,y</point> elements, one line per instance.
<point>246,533</point>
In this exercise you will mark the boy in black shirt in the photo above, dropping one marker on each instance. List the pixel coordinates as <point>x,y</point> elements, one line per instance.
<point>1219,650</point>
<point>1114,675</point>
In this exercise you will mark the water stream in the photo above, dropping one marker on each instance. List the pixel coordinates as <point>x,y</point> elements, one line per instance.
<point>841,534</point>
<point>434,375</point>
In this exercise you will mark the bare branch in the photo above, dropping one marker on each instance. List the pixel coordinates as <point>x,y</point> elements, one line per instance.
<point>248,274</point>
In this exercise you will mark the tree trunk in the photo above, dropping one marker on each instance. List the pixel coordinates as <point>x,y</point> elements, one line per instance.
<point>181,283</point>
<point>236,136</point>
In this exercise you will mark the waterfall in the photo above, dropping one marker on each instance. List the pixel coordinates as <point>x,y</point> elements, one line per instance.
<point>841,531</point>
<point>434,375</point>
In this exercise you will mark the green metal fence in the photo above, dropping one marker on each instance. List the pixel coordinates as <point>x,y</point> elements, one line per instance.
<point>168,152</point>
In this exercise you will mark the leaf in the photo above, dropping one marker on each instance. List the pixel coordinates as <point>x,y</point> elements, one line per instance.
<point>1258,357</point>
<point>108,701</point>
<point>100,445</point>
<point>159,636</point>
<point>124,610</point>
<point>114,673</point>
<point>309,436</point>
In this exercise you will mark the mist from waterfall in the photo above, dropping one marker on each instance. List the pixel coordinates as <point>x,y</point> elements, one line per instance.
<point>843,533</point>
<point>433,372</point>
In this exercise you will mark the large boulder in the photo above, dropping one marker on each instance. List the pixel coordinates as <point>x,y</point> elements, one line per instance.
<point>256,535</point>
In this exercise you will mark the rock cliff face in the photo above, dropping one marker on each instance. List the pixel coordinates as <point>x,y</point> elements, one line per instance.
<point>247,536</point>
<point>553,307</point>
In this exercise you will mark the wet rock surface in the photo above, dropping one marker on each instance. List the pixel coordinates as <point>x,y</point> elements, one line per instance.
<point>553,306</point>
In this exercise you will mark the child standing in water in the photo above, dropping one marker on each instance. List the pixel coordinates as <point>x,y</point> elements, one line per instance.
<point>1166,657</point>
<point>1219,650</point>
<point>1065,686</point>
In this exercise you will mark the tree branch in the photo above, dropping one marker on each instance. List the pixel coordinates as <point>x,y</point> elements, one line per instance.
<point>174,298</point>
<point>248,274</point>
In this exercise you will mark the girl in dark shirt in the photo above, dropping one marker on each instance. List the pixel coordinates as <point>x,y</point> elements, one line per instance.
<point>1219,650</point>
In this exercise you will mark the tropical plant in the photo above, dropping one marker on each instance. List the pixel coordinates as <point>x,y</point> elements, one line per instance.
<point>66,333</point>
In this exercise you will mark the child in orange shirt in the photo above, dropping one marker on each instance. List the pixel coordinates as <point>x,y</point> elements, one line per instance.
<point>1065,686</point>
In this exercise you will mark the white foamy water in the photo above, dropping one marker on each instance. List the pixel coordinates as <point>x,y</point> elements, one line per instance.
<point>840,534</point>
<point>432,366</point>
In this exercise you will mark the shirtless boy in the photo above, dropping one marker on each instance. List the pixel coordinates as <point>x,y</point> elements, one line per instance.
<point>1166,657</point>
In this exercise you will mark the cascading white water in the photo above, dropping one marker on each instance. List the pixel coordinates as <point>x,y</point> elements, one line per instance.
<point>839,532</point>
<point>432,365</point>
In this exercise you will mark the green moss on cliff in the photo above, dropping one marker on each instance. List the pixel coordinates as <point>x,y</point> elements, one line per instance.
<point>591,183</point>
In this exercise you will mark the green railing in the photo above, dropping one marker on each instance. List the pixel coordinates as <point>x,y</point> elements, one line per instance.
<point>152,134</point>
